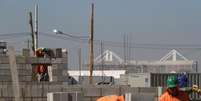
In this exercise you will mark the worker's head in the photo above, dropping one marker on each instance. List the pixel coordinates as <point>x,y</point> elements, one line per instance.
<point>172,85</point>
<point>172,81</point>
<point>182,80</point>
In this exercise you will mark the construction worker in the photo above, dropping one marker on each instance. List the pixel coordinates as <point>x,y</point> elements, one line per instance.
<point>182,80</point>
<point>111,98</point>
<point>182,84</point>
<point>39,52</point>
<point>172,93</point>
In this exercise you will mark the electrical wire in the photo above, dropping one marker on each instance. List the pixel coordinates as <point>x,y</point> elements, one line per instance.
<point>15,34</point>
<point>120,44</point>
<point>70,35</point>
<point>84,39</point>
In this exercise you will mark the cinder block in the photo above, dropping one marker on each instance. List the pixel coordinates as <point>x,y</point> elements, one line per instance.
<point>92,91</point>
<point>45,91</point>
<point>64,96</point>
<point>36,91</point>
<point>27,99</point>
<point>27,91</point>
<point>4,60</point>
<point>110,91</point>
<point>2,99</point>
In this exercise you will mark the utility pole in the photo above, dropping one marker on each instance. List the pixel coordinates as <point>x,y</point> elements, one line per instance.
<point>36,26</point>
<point>91,53</point>
<point>124,49</point>
<point>127,49</point>
<point>28,42</point>
<point>80,60</point>
<point>32,33</point>
<point>102,62</point>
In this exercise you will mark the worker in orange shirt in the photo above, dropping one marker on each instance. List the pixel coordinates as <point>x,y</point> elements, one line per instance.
<point>111,98</point>
<point>172,93</point>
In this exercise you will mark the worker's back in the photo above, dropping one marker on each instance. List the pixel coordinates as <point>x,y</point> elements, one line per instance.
<point>182,96</point>
<point>111,98</point>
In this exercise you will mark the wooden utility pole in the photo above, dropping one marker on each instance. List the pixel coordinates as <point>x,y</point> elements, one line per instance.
<point>14,73</point>
<point>91,52</point>
<point>36,25</point>
<point>32,33</point>
<point>28,44</point>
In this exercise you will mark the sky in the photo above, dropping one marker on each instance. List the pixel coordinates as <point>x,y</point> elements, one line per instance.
<point>146,21</point>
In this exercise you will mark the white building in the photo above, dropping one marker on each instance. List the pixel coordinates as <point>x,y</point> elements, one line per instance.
<point>115,66</point>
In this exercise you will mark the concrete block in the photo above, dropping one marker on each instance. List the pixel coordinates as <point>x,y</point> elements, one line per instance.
<point>45,90</point>
<point>57,60</point>
<point>63,96</point>
<point>36,91</point>
<point>71,89</point>
<point>54,78</point>
<point>27,99</point>
<point>148,90</point>
<point>132,90</point>
<point>34,99</point>
<point>4,60</point>
<point>54,66</point>
<point>2,99</point>
<point>110,91</point>
<point>25,78</point>
<point>64,60</point>
<point>40,60</point>
<point>4,90</point>
<point>4,66</point>
<point>26,52</point>
<point>89,99</point>
<point>143,97</point>
<point>1,91</point>
<point>10,91</point>
<point>5,78</point>
<point>27,91</point>
<point>92,91</point>
<point>56,72</point>
<point>54,88</point>
<point>4,72</point>
<point>20,59</point>
<point>23,72</point>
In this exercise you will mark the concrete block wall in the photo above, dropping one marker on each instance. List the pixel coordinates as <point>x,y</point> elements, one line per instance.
<point>25,65</point>
<point>38,91</point>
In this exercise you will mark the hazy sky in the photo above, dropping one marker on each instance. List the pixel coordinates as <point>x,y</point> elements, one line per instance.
<point>149,21</point>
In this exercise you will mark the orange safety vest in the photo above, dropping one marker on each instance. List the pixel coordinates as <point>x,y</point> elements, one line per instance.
<point>111,98</point>
<point>182,96</point>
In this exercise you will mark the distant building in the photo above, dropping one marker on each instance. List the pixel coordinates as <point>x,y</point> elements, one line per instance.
<point>110,64</point>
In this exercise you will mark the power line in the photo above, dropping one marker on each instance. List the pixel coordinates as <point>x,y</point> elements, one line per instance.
<point>15,34</point>
<point>132,45</point>
<point>106,43</point>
